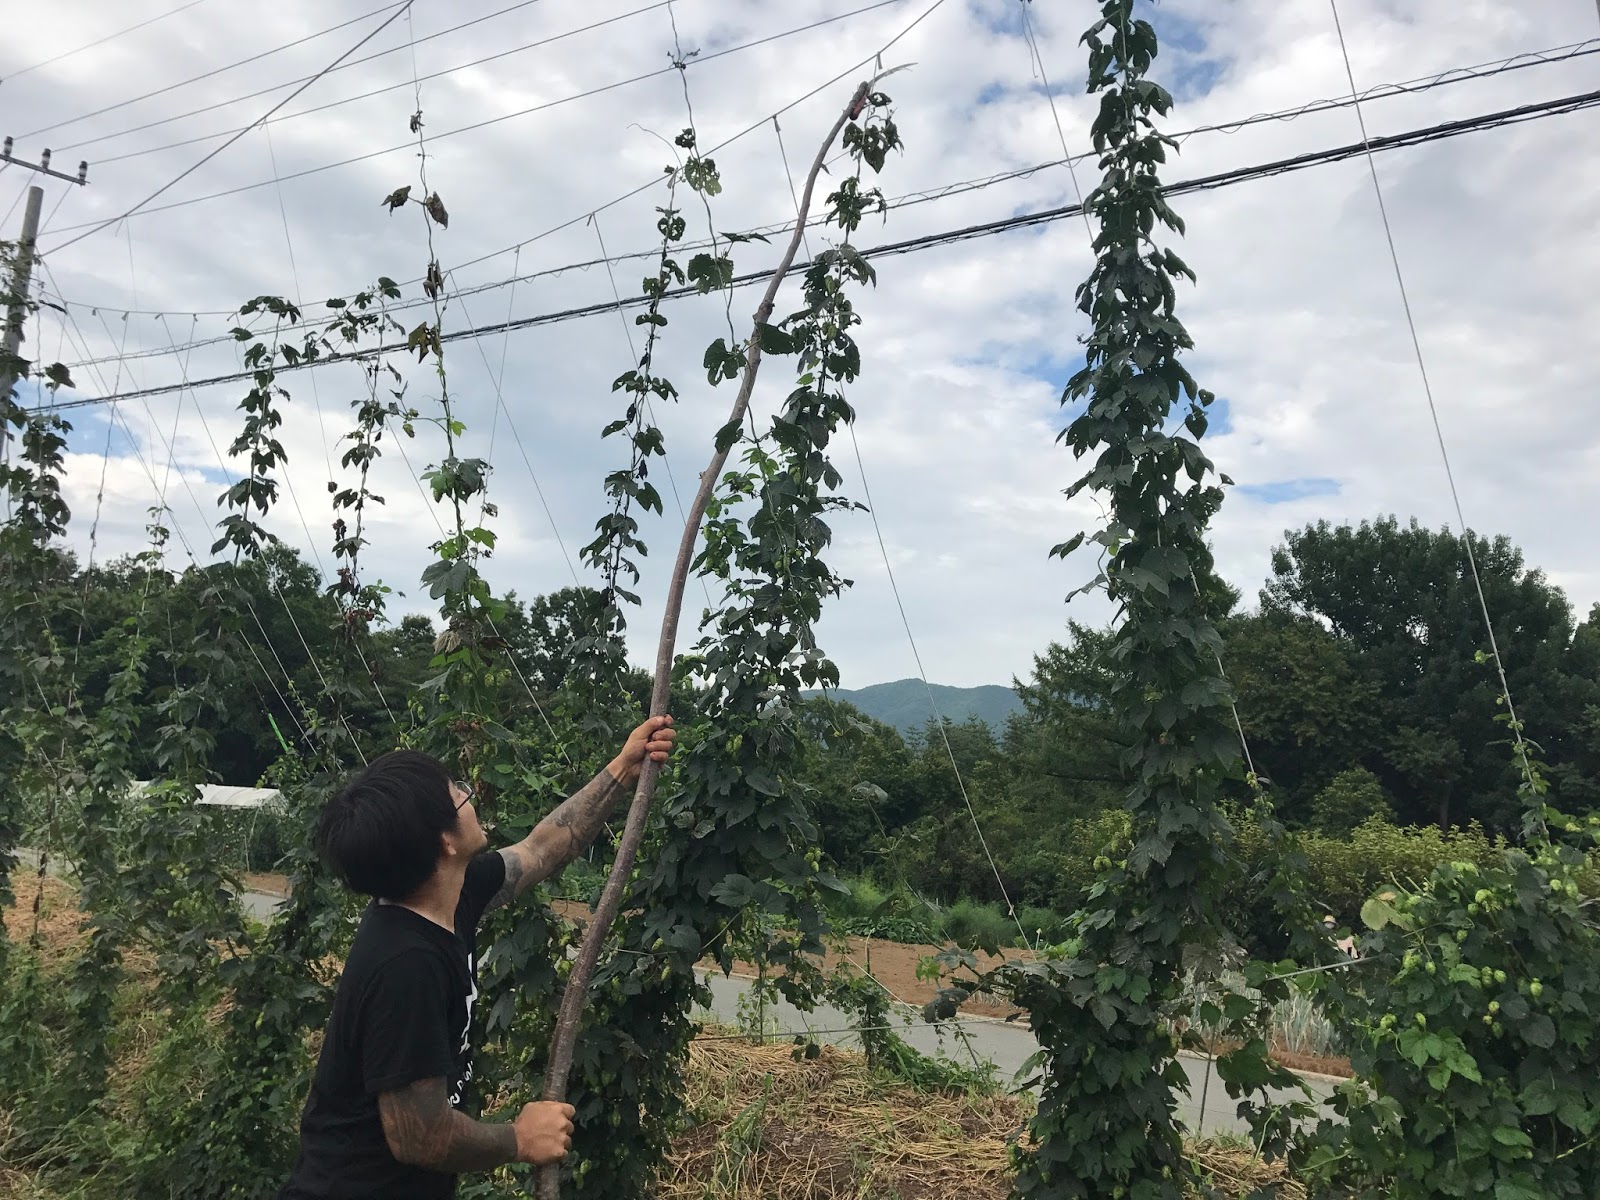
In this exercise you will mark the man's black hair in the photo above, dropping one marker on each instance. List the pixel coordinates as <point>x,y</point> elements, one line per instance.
<point>380,832</point>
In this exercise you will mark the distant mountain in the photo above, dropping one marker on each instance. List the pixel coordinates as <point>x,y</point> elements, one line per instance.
<point>904,703</point>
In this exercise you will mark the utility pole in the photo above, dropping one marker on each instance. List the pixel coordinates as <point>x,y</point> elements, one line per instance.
<point>21,277</point>
<point>22,268</point>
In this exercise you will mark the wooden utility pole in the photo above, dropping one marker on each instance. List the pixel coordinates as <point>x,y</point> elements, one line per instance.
<point>22,268</point>
<point>21,277</point>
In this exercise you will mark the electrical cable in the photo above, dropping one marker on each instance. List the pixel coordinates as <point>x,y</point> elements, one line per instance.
<point>172,12</point>
<point>726,142</point>
<point>1456,75</point>
<point>1036,60</point>
<point>66,190</point>
<point>404,83</point>
<point>476,125</point>
<point>1440,132</point>
<point>1535,60</point>
<point>172,87</point>
<point>23,191</point>
<point>191,170</point>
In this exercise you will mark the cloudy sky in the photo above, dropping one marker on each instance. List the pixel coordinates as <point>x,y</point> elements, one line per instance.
<point>1297,318</point>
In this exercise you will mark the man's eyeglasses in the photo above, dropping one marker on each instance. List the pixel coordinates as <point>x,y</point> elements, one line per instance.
<point>471,794</point>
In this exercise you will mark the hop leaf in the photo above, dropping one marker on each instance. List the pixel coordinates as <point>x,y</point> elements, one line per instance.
<point>416,121</point>
<point>436,210</point>
<point>397,197</point>
<point>58,377</point>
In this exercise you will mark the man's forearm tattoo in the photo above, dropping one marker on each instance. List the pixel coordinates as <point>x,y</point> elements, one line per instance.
<point>578,819</point>
<point>423,1130</point>
<point>559,838</point>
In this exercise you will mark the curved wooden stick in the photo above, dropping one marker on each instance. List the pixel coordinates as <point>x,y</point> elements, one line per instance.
<point>594,934</point>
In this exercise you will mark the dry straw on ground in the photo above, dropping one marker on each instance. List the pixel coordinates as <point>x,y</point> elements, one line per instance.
<point>779,1129</point>
<point>774,1128</point>
<point>770,1127</point>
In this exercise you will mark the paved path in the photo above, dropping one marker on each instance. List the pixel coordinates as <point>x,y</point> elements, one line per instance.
<point>1006,1045</point>
<point>1206,1109</point>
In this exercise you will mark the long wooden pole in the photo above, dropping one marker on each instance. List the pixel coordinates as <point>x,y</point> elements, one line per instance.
<point>599,926</point>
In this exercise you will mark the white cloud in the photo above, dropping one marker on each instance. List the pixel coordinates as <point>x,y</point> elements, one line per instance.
<point>1296,316</point>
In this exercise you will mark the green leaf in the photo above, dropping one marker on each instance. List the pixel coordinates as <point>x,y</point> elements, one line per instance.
<point>1378,912</point>
<point>1539,1030</point>
<point>1067,547</point>
<point>762,781</point>
<point>774,340</point>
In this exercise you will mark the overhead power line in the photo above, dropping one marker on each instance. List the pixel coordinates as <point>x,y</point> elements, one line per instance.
<point>389,20</point>
<point>101,41</point>
<point>1556,54</point>
<point>182,83</point>
<point>761,122</point>
<point>391,87</point>
<point>278,87</point>
<point>1204,183</point>
<point>484,124</point>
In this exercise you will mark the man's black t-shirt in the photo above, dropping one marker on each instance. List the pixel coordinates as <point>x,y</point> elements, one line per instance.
<point>402,1012</point>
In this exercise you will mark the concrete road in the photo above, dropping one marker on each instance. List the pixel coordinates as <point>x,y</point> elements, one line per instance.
<point>1206,1110</point>
<point>972,1040</point>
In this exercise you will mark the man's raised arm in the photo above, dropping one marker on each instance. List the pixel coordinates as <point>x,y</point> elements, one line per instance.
<point>569,828</point>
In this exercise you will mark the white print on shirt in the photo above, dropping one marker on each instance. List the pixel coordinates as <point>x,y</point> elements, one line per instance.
<point>460,1090</point>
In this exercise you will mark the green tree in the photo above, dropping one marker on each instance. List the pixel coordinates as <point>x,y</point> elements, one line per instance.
<point>1307,708</point>
<point>858,776</point>
<point>1350,799</point>
<point>1402,598</point>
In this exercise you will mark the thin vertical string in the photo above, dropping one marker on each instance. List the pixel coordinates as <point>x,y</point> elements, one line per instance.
<point>1433,409</point>
<point>905,622</point>
<point>1037,62</point>
<point>672,479</point>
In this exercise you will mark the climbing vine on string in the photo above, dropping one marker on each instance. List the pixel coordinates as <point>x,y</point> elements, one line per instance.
<point>731,851</point>
<point>34,721</point>
<point>1106,1008</point>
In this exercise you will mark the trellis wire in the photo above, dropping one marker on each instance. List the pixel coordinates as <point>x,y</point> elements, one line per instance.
<point>1433,410</point>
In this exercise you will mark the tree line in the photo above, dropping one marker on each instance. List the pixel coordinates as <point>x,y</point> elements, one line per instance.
<point>1360,690</point>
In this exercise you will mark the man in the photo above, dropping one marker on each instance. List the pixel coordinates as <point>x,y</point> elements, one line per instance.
<point>384,1118</point>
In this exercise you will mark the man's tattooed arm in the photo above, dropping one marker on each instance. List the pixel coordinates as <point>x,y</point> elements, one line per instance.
<point>423,1130</point>
<point>558,839</point>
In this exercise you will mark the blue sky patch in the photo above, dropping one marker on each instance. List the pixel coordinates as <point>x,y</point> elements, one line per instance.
<point>991,93</point>
<point>1220,417</point>
<point>1284,491</point>
<point>1184,66</point>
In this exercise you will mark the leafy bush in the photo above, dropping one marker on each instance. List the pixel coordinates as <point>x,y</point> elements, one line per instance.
<point>1043,924</point>
<point>863,900</point>
<point>1472,1032</point>
<point>979,925</point>
<point>908,930</point>
<point>1342,872</point>
<point>1351,798</point>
